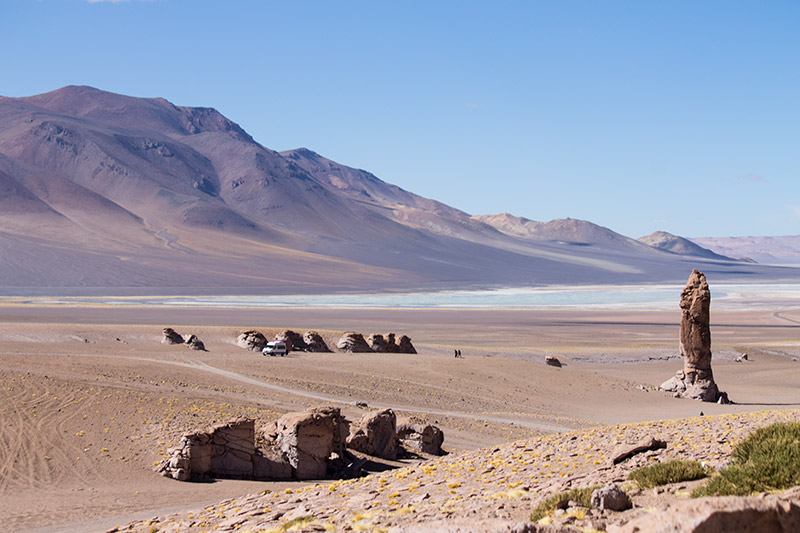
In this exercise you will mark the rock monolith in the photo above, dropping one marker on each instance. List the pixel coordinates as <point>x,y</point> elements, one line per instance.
<point>695,380</point>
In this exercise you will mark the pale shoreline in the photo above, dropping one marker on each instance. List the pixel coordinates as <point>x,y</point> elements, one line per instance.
<point>644,297</point>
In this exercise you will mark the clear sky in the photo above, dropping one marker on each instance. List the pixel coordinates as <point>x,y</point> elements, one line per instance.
<point>636,115</point>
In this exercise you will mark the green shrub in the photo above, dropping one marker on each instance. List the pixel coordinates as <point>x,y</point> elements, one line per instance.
<point>768,459</point>
<point>584,496</point>
<point>674,471</point>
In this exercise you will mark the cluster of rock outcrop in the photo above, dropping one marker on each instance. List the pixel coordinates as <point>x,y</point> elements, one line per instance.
<point>695,380</point>
<point>496,488</point>
<point>312,341</point>
<point>173,337</point>
<point>312,444</point>
<point>353,342</point>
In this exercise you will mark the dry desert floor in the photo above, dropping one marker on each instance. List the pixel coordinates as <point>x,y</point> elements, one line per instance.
<point>91,400</point>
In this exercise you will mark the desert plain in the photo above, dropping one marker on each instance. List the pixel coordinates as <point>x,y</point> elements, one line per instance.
<point>91,400</point>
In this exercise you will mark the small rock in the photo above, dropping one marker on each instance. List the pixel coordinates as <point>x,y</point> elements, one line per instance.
<point>611,497</point>
<point>551,360</point>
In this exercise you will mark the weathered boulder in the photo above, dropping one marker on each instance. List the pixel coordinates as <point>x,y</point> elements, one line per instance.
<point>626,451</point>
<point>295,340</point>
<point>695,380</point>
<point>353,342</point>
<point>309,439</point>
<point>314,342</point>
<point>611,497</point>
<point>194,343</point>
<point>418,435</point>
<point>226,450</point>
<point>375,434</point>
<point>252,340</point>
<point>727,514</point>
<point>391,343</point>
<point>404,345</point>
<point>377,343</point>
<point>552,360</point>
<point>171,337</point>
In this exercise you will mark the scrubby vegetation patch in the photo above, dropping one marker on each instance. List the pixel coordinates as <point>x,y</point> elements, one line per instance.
<point>768,459</point>
<point>674,471</point>
<point>582,496</point>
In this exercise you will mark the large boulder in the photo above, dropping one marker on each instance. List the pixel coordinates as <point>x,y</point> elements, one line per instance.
<point>695,380</point>
<point>353,342</point>
<point>226,450</point>
<point>375,434</point>
<point>391,343</point>
<point>171,337</point>
<point>295,340</point>
<point>416,434</point>
<point>611,498</point>
<point>310,438</point>
<point>377,343</point>
<point>194,343</point>
<point>314,342</point>
<point>404,345</point>
<point>251,340</point>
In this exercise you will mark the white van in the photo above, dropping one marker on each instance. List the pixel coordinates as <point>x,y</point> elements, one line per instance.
<point>274,348</point>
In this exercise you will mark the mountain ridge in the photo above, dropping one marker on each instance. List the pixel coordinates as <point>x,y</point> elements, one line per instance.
<point>168,196</point>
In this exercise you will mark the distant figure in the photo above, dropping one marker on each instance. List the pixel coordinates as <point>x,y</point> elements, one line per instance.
<point>455,353</point>
<point>701,413</point>
<point>459,354</point>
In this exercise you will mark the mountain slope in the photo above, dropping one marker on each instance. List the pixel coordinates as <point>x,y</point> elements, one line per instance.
<point>679,245</point>
<point>778,250</point>
<point>100,190</point>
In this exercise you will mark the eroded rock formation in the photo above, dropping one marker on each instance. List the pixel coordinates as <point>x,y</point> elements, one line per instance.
<point>353,342</point>
<point>194,343</point>
<point>296,341</point>
<point>375,434</point>
<point>314,342</point>
<point>404,345</point>
<point>416,434</point>
<point>695,380</point>
<point>251,340</point>
<point>377,343</point>
<point>311,439</point>
<point>226,450</point>
<point>171,337</point>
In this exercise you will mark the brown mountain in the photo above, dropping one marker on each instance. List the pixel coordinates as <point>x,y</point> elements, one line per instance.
<point>774,250</point>
<point>104,192</point>
<point>679,245</point>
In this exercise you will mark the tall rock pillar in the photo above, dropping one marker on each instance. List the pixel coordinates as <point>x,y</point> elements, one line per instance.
<point>696,379</point>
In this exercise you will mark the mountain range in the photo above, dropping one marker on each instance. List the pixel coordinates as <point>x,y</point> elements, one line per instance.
<point>101,192</point>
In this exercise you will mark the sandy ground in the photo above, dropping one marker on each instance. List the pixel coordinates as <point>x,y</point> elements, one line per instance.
<point>90,399</point>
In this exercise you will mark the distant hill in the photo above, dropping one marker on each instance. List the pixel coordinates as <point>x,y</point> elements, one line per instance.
<point>679,245</point>
<point>781,250</point>
<point>105,192</point>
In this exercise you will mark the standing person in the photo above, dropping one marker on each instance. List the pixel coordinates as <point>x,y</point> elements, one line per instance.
<point>459,355</point>
<point>455,353</point>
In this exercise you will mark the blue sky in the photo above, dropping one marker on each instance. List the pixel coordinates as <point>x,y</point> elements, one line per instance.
<point>636,115</point>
